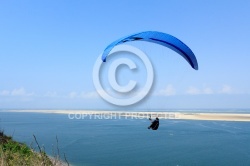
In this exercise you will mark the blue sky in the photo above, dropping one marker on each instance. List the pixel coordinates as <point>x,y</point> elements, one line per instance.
<point>48,49</point>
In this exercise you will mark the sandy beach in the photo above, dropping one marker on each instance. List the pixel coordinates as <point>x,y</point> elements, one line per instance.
<point>80,114</point>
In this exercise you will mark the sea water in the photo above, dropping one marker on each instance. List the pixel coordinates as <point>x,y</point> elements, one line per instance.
<point>127,141</point>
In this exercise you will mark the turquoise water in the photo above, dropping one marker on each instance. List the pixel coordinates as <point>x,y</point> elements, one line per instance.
<point>128,141</point>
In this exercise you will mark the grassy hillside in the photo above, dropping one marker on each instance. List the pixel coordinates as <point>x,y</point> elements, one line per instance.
<point>13,153</point>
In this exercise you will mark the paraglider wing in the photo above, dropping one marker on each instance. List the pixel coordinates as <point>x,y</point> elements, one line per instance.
<point>158,38</point>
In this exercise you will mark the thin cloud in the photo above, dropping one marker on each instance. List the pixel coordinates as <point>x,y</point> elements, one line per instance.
<point>71,95</point>
<point>208,91</point>
<point>51,94</point>
<point>16,92</point>
<point>92,94</point>
<point>169,90</point>
<point>74,95</point>
<point>226,89</point>
<point>193,91</point>
<point>5,93</point>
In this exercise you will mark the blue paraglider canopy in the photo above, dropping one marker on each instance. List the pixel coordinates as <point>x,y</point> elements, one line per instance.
<point>158,38</point>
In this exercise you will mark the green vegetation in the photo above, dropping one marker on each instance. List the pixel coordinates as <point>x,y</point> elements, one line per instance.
<point>13,153</point>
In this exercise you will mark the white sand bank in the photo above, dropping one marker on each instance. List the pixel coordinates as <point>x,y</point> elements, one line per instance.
<point>161,115</point>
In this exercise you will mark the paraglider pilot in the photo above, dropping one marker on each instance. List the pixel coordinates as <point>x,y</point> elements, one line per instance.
<point>154,124</point>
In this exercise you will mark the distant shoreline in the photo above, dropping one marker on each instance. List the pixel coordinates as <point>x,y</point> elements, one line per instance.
<point>244,117</point>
